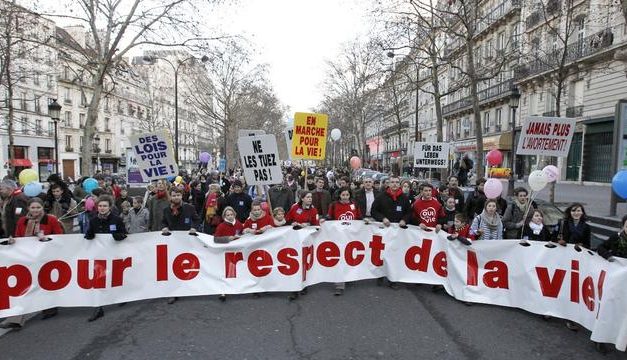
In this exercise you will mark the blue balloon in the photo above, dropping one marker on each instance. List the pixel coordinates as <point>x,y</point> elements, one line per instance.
<point>90,184</point>
<point>619,184</point>
<point>171,178</point>
<point>33,189</point>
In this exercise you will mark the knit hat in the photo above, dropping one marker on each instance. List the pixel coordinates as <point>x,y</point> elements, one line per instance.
<point>8,183</point>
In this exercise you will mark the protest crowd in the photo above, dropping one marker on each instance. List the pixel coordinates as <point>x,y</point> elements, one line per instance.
<point>224,206</point>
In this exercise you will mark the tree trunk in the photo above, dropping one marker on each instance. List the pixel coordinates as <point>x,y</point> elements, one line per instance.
<point>9,81</point>
<point>91,123</point>
<point>475,108</point>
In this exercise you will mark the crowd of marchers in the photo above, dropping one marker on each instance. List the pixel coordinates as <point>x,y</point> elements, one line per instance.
<point>226,207</point>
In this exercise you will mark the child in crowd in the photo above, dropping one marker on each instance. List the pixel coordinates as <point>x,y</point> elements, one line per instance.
<point>258,221</point>
<point>230,228</point>
<point>461,230</point>
<point>279,217</point>
<point>450,212</point>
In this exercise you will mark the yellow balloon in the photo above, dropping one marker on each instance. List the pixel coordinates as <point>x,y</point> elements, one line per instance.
<point>302,173</point>
<point>178,179</point>
<point>27,176</point>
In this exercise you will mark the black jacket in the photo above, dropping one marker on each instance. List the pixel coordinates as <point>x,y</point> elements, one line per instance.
<point>360,199</point>
<point>475,203</point>
<point>384,206</point>
<point>545,234</point>
<point>580,236</point>
<point>281,196</point>
<point>613,246</point>
<point>458,195</point>
<point>183,221</point>
<point>113,224</point>
<point>241,202</point>
<point>15,208</point>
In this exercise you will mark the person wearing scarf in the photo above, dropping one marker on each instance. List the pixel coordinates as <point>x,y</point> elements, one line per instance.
<point>392,205</point>
<point>534,229</point>
<point>574,229</point>
<point>278,214</point>
<point>105,222</point>
<point>513,218</point>
<point>179,216</point>
<point>34,223</point>
<point>157,204</point>
<point>488,224</point>
<point>258,221</point>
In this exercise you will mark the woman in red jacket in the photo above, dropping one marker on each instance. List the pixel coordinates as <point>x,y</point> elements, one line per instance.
<point>230,228</point>
<point>303,213</point>
<point>344,208</point>
<point>35,223</point>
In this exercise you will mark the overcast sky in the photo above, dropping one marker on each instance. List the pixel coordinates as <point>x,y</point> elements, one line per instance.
<point>295,37</point>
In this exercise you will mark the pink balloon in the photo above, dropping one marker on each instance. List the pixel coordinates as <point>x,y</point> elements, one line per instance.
<point>494,158</point>
<point>89,204</point>
<point>493,188</point>
<point>355,162</point>
<point>552,172</point>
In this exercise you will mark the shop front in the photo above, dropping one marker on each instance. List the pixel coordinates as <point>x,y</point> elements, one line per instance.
<point>502,142</point>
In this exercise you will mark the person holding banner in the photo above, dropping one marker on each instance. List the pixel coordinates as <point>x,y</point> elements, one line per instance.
<point>258,221</point>
<point>365,196</point>
<point>303,213</point>
<point>179,216</point>
<point>239,201</point>
<point>428,213</point>
<point>392,205</point>
<point>574,229</point>
<point>105,222</point>
<point>616,244</point>
<point>39,224</point>
<point>534,228</point>
<point>488,224</point>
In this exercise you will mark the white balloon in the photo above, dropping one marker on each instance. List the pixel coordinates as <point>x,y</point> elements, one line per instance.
<point>336,134</point>
<point>537,180</point>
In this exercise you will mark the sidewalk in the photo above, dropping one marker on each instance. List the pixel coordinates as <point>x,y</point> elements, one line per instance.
<point>595,198</point>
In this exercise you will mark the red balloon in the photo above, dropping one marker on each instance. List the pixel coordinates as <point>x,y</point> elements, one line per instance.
<point>494,158</point>
<point>355,162</point>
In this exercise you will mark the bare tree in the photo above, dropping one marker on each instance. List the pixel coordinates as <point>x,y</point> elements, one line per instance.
<point>115,27</point>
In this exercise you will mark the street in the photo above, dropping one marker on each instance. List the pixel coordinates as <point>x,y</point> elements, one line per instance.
<point>368,322</point>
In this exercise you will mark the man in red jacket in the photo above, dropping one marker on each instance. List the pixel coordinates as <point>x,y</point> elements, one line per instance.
<point>427,211</point>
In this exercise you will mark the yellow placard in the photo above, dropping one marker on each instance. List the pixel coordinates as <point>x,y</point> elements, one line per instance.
<point>310,136</point>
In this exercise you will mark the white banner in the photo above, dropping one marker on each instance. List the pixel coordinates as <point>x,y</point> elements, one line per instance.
<point>72,271</point>
<point>547,136</point>
<point>431,155</point>
<point>155,155</point>
<point>260,159</point>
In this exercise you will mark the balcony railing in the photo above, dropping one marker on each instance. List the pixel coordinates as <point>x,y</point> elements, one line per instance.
<point>496,13</point>
<point>492,93</point>
<point>574,111</point>
<point>573,52</point>
<point>395,128</point>
<point>550,113</point>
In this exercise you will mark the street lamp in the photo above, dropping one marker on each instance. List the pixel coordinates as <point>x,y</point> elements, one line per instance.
<point>150,60</point>
<point>514,101</point>
<point>54,111</point>
<point>97,150</point>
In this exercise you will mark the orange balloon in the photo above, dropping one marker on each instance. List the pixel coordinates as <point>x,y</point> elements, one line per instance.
<point>355,162</point>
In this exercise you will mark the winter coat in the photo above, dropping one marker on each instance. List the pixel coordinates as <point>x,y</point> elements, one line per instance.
<point>615,245</point>
<point>429,212</point>
<point>488,234</point>
<point>458,195</point>
<point>60,208</point>
<point>186,218</point>
<point>511,218</point>
<point>226,229</point>
<point>394,207</point>
<point>282,197</point>
<point>361,200</point>
<point>321,201</point>
<point>578,235</point>
<point>463,232</point>
<point>155,208</point>
<point>544,235</point>
<point>49,225</point>
<point>14,208</point>
<point>241,202</point>
<point>137,221</point>
<point>341,211</point>
<point>112,224</point>
<point>475,203</point>
<point>301,215</point>
<point>259,223</point>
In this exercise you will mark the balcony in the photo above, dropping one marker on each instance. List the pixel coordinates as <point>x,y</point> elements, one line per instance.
<point>574,111</point>
<point>574,52</point>
<point>67,101</point>
<point>533,19</point>
<point>492,93</point>
<point>69,149</point>
<point>497,13</point>
<point>550,113</point>
<point>498,128</point>
<point>395,128</point>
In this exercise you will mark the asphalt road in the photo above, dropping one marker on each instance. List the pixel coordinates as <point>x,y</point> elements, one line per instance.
<point>368,322</point>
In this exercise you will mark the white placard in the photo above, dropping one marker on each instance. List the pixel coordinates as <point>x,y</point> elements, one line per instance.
<point>547,136</point>
<point>289,133</point>
<point>246,132</point>
<point>260,159</point>
<point>155,155</point>
<point>431,154</point>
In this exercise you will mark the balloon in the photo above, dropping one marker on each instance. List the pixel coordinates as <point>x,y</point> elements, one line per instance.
<point>494,158</point>
<point>355,162</point>
<point>619,184</point>
<point>204,157</point>
<point>336,134</point>
<point>552,172</point>
<point>264,206</point>
<point>537,180</point>
<point>178,179</point>
<point>28,176</point>
<point>493,188</point>
<point>33,189</point>
<point>170,178</point>
<point>89,204</point>
<point>90,184</point>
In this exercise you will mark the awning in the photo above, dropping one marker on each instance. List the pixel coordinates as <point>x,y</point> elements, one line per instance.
<point>21,162</point>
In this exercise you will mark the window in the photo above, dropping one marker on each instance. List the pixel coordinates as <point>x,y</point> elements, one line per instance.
<point>23,102</point>
<point>532,104</point>
<point>36,79</point>
<point>68,142</point>
<point>37,106</point>
<point>83,99</point>
<point>50,81</point>
<point>500,41</point>
<point>67,119</point>
<point>486,122</point>
<point>67,96</point>
<point>81,120</point>
<point>498,118</point>
<point>108,145</point>
<point>80,142</point>
<point>24,125</point>
<point>107,122</point>
<point>38,127</point>
<point>50,128</point>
